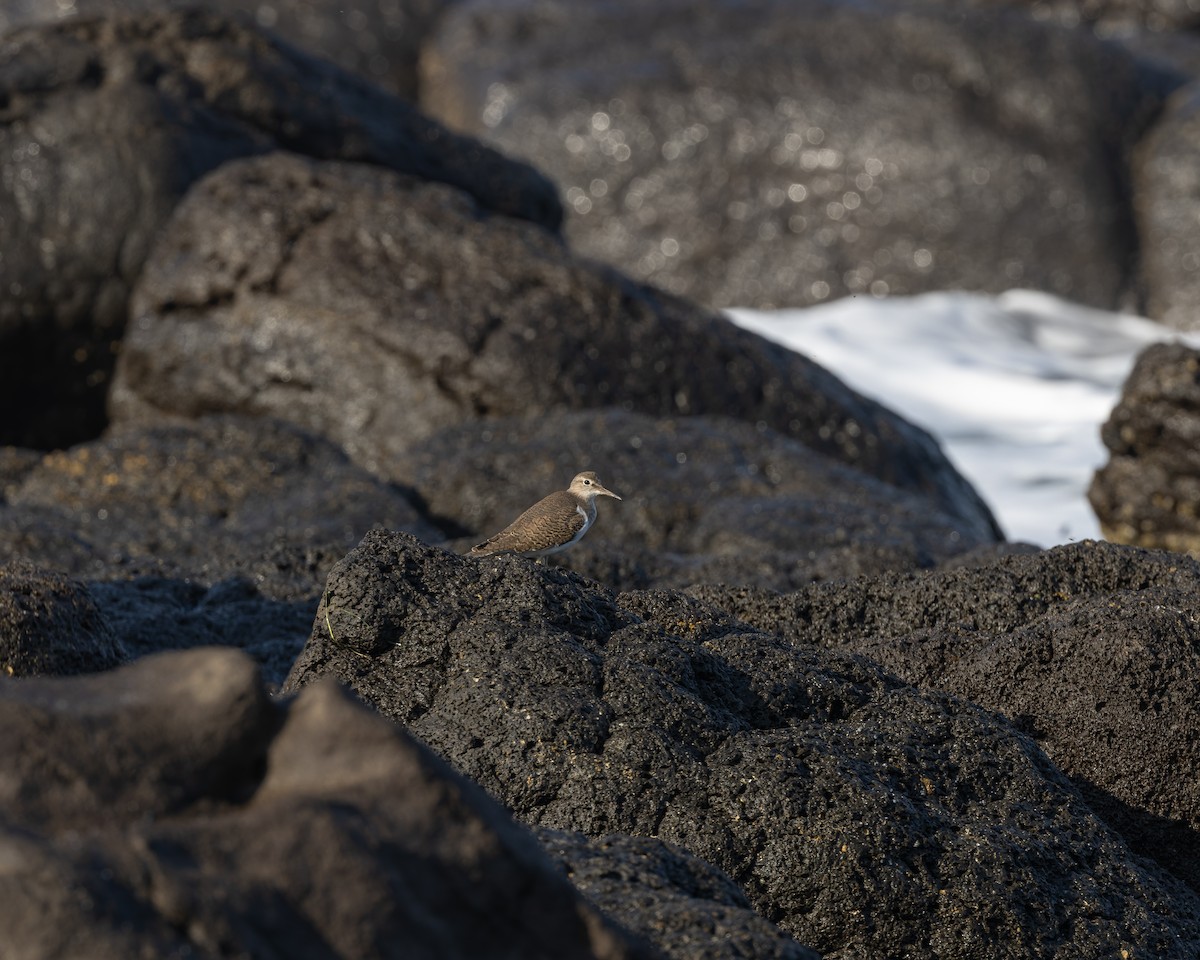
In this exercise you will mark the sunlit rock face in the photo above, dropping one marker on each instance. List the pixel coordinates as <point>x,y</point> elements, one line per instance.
<point>377,309</point>
<point>107,122</point>
<point>779,153</point>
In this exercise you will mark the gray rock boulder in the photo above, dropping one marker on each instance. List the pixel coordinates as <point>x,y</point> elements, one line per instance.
<point>105,125</point>
<point>777,153</point>
<point>188,814</point>
<point>1148,493</point>
<point>705,499</point>
<point>1091,648</point>
<point>858,813</point>
<point>376,309</point>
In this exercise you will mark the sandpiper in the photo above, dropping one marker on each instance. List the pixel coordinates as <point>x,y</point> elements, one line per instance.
<point>551,524</point>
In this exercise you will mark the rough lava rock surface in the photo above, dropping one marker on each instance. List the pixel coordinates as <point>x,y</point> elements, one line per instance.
<point>170,808</point>
<point>332,294</point>
<point>859,814</point>
<point>215,531</point>
<point>686,907</point>
<point>783,152</point>
<point>104,124</point>
<point>706,499</point>
<point>1148,493</point>
<point>1092,648</point>
<point>211,497</point>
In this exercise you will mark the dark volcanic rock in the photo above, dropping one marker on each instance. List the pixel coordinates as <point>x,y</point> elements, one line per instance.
<point>687,908</point>
<point>168,809</point>
<point>782,152</point>
<point>103,126</point>
<point>212,498</point>
<point>1148,493</point>
<point>1167,199</point>
<point>49,625</point>
<point>375,309</point>
<point>861,815</point>
<point>705,498</point>
<point>154,614</point>
<point>1092,648</point>
<point>218,531</point>
<point>378,39</point>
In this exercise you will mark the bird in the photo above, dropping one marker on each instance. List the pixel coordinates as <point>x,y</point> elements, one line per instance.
<point>552,524</point>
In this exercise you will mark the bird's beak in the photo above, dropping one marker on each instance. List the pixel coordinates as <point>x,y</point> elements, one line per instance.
<point>601,490</point>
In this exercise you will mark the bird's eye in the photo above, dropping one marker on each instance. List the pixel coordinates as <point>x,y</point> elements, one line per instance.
<point>588,482</point>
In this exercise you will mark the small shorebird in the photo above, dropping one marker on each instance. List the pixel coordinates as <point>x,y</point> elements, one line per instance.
<point>552,524</point>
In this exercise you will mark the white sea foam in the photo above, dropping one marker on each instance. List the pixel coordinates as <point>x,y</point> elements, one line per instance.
<point>1015,387</point>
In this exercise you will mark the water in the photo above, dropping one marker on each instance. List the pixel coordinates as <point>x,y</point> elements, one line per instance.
<point>1015,387</point>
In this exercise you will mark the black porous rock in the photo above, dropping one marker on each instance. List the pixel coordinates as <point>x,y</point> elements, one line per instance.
<point>1148,493</point>
<point>214,498</point>
<point>169,808</point>
<point>1167,199</point>
<point>687,908</point>
<point>1092,648</point>
<point>704,498</point>
<point>377,39</point>
<point>861,815</point>
<point>376,308</point>
<point>50,625</point>
<point>776,152</point>
<point>103,126</point>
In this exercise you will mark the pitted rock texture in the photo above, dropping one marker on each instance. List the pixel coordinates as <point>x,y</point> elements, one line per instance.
<point>187,814</point>
<point>705,499</point>
<point>377,39</point>
<point>51,626</point>
<point>687,908</point>
<point>781,153</point>
<point>334,295</point>
<point>105,123</point>
<point>1092,648</point>
<point>861,815</point>
<point>1148,493</point>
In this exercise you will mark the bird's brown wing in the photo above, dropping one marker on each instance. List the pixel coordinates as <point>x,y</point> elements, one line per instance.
<point>546,524</point>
